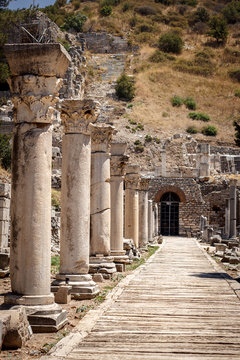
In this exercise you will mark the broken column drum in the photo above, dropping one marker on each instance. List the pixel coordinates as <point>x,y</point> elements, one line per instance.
<point>143,212</point>
<point>204,160</point>
<point>132,203</point>
<point>100,247</point>
<point>118,163</point>
<point>233,208</point>
<point>36,71</point>
<point>75,199</point>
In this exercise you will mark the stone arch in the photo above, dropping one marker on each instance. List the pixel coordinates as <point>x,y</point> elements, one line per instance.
<point>170,188</point>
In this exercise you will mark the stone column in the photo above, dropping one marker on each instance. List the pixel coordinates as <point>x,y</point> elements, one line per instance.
<point>5,195</point>
<point>118,163</point>
<point>143,212</point>
<point>100,248</point>
<point>233,208</point>
<point>132,203</point>
<point>204,161</point>
<point>156,219</point>
<point>36,71</point>
<point>227,218</point>
<point>150,221</point>
<point>75,199</point>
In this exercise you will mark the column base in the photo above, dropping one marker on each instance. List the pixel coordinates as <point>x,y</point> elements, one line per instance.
<point>42,318</point>
<point>82,286</point>
<point>102,264</point>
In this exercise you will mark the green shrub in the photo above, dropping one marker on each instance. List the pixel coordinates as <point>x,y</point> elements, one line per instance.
<point>218,29</point>
<point>125,88</point>
<point>164,2</point>
<point>170,43</point>
<point>200,65</point>
<point>199,116</point>
<point>201,15</point>
<point>209,130</point>
<point>132,122</point>
<point>231,12</point>
<point>74,21</point>
<point>145,10</point>
<point>126,7</point>
<point>177,101</point>
<point>139,148</point>
<point>158,56</point>
<point>148,138</point>
<point>190,103</point>
<point>236,124</point>
<point>192,130</point>
<point>4,72</point>
<point>237,93</point>
<point>137,142</point>
<point>105,10</point>
<point>145,28</point>
<point>65,43</point>
<point>140,127</point>
<point>5,151</point>
<point>235,74</point>
<point>231,55</point>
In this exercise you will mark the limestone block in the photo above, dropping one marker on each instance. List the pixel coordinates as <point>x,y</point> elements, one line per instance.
<point>4,214</point>
<point>3,240</point>
<point>19,329</point>
<point>120,267</point>
<point>4,325</point>
<point>5,190</point>
<point>63,295</point>
<point>220,247</point>
<point>43,59</point>
<point>4,202</point>
<point>97,277</point>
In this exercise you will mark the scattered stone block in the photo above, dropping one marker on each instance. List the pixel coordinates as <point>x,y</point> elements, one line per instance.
<point>120,267</point>
<point>220,247</point>
<point>4,325</point>
<point>63,295</point>
<point>19,330</point>
<point>97,277</point>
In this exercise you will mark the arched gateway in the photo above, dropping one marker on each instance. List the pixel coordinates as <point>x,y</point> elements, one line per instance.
<point>170,214</point>
<point>169,199</point>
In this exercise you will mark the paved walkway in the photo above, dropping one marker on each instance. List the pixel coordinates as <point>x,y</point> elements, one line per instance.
<point>178,307</point>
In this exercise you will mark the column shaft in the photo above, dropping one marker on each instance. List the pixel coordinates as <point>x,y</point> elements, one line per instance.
<point>131,215</point>
<point>117,213</point>
<point>143,218</point>
<point>233,209</point>
<point>150,220</point>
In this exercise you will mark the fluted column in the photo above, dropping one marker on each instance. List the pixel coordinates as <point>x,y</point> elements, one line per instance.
<point>132,203</point>
<point>156,218</point>
<point>118,163</point>
<point>36,70</point>
<point>100,246</point>
<point>75,199</point>
<point>150,221</point>
<point>143,212</point>
<point>233,208</point>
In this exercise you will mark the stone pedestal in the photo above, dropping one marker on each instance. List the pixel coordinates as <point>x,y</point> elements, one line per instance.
<point>5,195</point>
<point>75,200</point>
<point>143,212</point>
<point>118,163</point>
<point>233,208</point>
<point>132,203</point>
<point>150,221</point>
<point>36,79</point>
<point>100,247</point>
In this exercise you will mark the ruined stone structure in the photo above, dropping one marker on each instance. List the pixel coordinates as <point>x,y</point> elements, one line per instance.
<point>37,71</point>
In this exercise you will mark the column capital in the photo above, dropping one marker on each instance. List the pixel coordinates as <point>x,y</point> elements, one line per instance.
<point>132,177</point>
<point>39,59</point>
<point>101,136</point>
<point>118,164</point>
<point>77,115</point>
<point>144,184</point>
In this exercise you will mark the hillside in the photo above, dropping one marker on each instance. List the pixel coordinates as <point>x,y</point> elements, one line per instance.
<point>201,71</point>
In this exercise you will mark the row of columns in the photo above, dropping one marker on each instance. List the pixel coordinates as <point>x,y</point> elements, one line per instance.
<point>92,197</point>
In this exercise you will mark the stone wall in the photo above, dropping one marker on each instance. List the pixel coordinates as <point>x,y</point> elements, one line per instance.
<point>196,199</point>
<point>104,43</point>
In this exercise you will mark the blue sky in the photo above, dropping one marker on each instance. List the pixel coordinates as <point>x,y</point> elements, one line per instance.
<point>19,4</point>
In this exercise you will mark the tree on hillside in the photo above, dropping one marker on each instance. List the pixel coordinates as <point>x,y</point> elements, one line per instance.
<point>218,29</point>
<point>4,3</point>
<point>236,124</point>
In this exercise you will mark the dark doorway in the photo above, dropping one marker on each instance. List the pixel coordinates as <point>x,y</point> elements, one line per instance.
<point>170,214</point>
